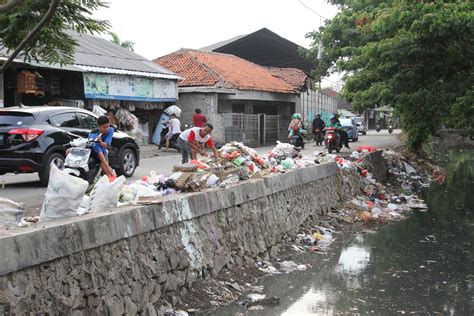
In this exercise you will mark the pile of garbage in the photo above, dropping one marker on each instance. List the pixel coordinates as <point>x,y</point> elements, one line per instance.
<point>237,162</point>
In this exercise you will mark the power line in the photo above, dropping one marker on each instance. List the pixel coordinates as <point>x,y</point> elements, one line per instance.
<point>312,10</point>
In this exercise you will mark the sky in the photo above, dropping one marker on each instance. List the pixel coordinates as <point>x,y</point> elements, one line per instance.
<point>160,27</point>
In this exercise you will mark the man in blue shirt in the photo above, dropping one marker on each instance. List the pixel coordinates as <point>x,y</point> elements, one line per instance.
<point>103,139</point>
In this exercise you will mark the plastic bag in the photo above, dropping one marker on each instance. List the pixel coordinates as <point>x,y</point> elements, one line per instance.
<point>105,194</point>
<point>63,195</point>
<point>10,212</point>
<point>97,110</point>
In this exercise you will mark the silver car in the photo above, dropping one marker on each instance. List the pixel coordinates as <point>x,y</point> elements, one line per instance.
<point>360,124</point>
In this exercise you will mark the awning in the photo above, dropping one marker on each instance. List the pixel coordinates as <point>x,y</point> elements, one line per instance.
<point>113,71</point>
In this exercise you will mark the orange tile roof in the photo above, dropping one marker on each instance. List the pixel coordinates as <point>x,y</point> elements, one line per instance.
<point>210,69</point>
<point>295,77</point>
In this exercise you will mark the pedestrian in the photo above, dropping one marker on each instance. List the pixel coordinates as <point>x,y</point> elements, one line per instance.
<point>174,129</point>
<point>199,119</point>
<point>191,139</point>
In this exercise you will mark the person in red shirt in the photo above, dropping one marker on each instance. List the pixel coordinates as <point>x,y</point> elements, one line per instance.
<point>191,139</point>
<point>199,119</point>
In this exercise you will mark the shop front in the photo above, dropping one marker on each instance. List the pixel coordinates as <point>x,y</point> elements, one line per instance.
<point>134,103</point>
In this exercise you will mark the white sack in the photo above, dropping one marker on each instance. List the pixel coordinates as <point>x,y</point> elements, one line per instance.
<point>63,196</point>
<point>105,194</point>
<point>10,212</point>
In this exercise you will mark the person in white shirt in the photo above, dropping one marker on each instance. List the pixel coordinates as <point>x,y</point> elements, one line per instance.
<point>190,139</point>
<point>174,129</point>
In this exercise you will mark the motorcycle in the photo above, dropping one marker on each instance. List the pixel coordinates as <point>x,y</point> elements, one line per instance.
<point>330,140</point>
<point>378,127</point>
<point>318,137</point>
<point>390,129</point>
<point>173,140</point>
<point>297,140</point>
<point>81,161</point>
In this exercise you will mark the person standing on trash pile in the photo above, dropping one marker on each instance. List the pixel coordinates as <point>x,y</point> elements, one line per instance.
<point>296,125</point>
<point>174,129</point>
<point>189,141</point>
<point>199,119</point>
<point>103,139</point>
<point>318,127</point>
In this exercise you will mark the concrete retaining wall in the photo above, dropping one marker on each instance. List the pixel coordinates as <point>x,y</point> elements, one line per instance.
<point>133,259</point>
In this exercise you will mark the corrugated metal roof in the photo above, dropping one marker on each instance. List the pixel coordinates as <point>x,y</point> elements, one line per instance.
<point>98,52</point>
<point>106,70</point>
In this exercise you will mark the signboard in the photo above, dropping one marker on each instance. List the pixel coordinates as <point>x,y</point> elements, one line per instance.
<point>122,87</point>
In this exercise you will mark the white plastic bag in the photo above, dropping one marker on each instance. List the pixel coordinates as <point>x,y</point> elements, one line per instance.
<point>97,110</point>
<point>10,212</point>
<point>63,196</point>
<point>105,194</point>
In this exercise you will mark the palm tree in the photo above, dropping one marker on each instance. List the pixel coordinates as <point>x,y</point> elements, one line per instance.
<point>125,44</point>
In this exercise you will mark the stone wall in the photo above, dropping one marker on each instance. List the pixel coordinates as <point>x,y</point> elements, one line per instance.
<point>132,260</point>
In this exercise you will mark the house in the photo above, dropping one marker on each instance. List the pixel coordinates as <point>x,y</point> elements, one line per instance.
<point>244,101</point>
<point>264,48</point>
<point>103,73</point>
<point>283,59</point>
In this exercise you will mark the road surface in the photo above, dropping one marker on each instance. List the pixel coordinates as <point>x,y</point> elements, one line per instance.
<point>26,189</point>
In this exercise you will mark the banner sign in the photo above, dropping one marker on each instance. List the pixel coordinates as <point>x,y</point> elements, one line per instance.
<point>129,88</point>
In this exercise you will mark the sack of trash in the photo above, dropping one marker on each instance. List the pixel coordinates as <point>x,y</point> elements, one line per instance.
<point>105,194</point>
<point>10,212</point>
<point>63,195</point>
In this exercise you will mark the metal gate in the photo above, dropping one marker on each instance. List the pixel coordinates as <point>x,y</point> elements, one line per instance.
<point>252,129</point>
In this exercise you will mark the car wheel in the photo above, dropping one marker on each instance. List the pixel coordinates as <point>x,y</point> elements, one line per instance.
<point>56,159</point>
<point>127,163</point>
<point>364,133</point>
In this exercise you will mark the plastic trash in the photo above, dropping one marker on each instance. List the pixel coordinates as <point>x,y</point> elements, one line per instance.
<point>254,297</point>
<point>10,212</point>
<point>63,195</point>
<point>105,194</point>
<point>288,266</point>
<point>408,168</point>
<point>212,180</point>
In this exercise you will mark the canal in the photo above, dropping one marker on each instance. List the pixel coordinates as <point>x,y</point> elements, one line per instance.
<point>421,266</point>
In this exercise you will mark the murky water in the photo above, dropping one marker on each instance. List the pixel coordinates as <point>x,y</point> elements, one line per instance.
<point>424,265</point>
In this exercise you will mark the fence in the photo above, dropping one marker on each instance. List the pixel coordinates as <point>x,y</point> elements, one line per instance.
<point>254,129</point>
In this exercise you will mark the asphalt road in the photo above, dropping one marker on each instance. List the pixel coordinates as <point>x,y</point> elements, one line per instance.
<point>26,189</point>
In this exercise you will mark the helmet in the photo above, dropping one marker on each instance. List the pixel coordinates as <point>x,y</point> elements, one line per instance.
<point>296,116</point>
<point>333,118</point>
<point>318,115</point>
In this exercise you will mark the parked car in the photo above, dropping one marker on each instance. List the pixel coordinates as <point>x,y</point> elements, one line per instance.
<point>350,127</point>
<point>360,124</point>
<point>34,138</point>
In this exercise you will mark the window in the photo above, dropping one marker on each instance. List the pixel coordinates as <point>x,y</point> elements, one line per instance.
<point>66,120</point>
<point>90,122</point>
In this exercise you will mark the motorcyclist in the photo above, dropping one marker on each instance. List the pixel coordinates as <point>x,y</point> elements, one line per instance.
<point>343,134</point>
<point>334,123</point>
<point>318,127</point>
<point>296,125</point>
<point>102,140</point>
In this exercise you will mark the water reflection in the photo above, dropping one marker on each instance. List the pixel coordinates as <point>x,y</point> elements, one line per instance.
<point>312,302</point>
<point>353,260</point>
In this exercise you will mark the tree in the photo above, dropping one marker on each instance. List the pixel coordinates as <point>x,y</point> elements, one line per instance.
<point>416,56</point>
<point>37,28</point>
<point>125,44</point>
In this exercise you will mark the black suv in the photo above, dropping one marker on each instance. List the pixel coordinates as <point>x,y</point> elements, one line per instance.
<point>33,138</point>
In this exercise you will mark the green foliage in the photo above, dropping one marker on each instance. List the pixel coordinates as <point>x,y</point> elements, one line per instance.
<point>52,44</point>
<point>416,56</point>
<point>125,44</point>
